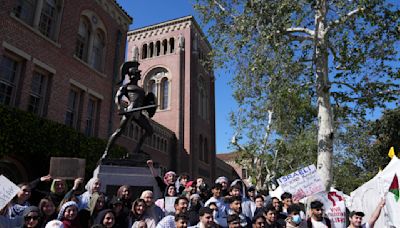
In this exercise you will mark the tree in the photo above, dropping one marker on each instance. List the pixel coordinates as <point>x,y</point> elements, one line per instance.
<point>337,52</point>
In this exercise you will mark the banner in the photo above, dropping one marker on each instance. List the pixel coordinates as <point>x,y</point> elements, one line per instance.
<point>7,191</point>
<point>302,183</point>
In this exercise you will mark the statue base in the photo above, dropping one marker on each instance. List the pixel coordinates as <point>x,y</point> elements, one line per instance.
<point>133,172</point>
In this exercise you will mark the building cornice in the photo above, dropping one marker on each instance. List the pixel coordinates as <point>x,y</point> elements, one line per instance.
<point>116,12</point>
<point>165,27</point>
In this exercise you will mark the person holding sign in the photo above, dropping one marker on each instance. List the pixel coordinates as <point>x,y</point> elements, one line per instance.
<point>356,217</point>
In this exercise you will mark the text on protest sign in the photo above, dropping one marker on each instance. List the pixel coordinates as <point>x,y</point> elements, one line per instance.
<point>304,182</point>
<point>7,191</point>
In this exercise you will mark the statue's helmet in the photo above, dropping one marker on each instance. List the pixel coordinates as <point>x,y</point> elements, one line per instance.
<point>130,68</point>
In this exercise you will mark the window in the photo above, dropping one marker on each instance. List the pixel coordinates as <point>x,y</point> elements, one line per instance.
<point>164,91</point>
<point>203,108</point>
<point>92,117</point>
<point>158,48</point>
<point>25,10</point>
<point>43,15</point>
<point>151,50</point>
<point>9,75</point>
<point>38,92</point>
<point>82,42</point>
<point>98,51</point>
<point>48,18</point>
<point>171,45</point>
<point>165,47</point>
<point>73,108</point>
<point>91,40</point>
<point>158,82</point>
<point>144,51</point>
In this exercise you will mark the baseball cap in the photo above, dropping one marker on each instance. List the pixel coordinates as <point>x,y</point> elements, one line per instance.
<point>358,213</point>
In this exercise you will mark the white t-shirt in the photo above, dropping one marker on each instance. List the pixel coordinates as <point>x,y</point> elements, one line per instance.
<point>318,224</point>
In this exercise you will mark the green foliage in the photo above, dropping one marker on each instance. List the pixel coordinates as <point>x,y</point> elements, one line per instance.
<point>271,47</point>
<point>26,136</point>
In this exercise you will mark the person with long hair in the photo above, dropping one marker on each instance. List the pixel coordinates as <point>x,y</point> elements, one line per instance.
<point>106,218</point>
<point>170,191</point>
<point>68,215</point>
<point>20,202</point>
<point>138,213</point>
<point>47,210</point>
<point>32,218</point>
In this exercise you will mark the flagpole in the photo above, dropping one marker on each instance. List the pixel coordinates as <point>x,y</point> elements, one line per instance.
<point>383,194</point>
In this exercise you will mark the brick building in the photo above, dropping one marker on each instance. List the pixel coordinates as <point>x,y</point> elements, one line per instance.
<point>171,55</point>
<point>60,60</point>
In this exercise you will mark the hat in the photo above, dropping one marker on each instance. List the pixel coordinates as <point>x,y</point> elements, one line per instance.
<point>358,213</point>
<point>189,184</point>
<point>316,204</point>
<point>30,209</point>
<point>64,206</point>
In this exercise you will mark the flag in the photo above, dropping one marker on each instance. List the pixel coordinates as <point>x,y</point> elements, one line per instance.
<point>394,188</point>
<point>391,153</point>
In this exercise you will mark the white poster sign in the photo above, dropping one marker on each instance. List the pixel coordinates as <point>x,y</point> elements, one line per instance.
<point>302,183</point>
<point>334,207</point>
<point>7,191</point>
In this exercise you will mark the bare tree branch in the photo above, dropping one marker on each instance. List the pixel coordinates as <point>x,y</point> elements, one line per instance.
<point>344,18</point>
<point>301,30</point>
<point>222,8</point>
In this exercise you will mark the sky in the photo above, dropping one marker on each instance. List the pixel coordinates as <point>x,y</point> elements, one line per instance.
<point>148,12</point>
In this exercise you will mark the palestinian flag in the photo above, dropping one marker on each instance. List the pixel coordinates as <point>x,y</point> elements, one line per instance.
<point>394,188</point>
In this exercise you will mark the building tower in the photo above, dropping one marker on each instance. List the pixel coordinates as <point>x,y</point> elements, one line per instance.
<point>171,55</point>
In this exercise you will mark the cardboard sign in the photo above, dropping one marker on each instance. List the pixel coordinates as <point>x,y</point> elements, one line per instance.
<point>169,205</point>
<point>7,191</point>
<point>302,183</point>
<point>67,168</point>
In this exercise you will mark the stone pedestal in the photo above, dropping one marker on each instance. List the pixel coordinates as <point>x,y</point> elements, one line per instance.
<point>139,178</point>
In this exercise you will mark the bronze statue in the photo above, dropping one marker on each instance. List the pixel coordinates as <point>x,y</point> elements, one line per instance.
<point>132,101</point>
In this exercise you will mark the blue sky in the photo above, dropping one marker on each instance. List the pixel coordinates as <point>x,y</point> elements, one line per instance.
<point>148,12</point>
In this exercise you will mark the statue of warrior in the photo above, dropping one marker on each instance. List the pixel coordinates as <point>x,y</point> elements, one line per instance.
<point>134,105</point>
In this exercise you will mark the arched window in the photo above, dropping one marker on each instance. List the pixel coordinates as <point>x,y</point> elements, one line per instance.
<point>202,98</point>
<point>151,50</point>
<point>171,45</point>
<point>91,40</point>
<point>158,48</point>
<point>144,51</point>
<point>164,93</point>
<point>82,42</point>
<point>158,81</point>
<point>165,47</point>
<point>98,51</point>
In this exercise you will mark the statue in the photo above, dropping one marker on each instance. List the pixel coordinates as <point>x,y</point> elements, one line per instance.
<point>134,105</point>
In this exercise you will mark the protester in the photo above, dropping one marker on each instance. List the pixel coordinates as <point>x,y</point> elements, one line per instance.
<point>181,205</point>
<point>194,209</point>
<point>120,215</point>
<point>124,193</point>
<point>287,200</point>
<point>225,185</point>
<point>92,186</point>
<point>233,221</point>
<point>68,215</point>
<point>294,219</point>
<point>170,191</point>
<point>317,219</point>
<point>138,214</point>
<point>152,210</point>
<point>235,207</point>
<point>54,224</point>
<point>236,189</point>
<point>47,210</point>
<point>169,177</point>
<point>20,202</point>
<point>356,217</point>
<point>180,221</point>
<point>106,218</point>
<point>271,217</point>
<point>205,218</point>
<point>258,221</point>
<point>32,218</point>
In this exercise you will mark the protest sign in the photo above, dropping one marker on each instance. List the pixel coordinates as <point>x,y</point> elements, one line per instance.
<point>334,206</point>
<point>304,182</point>
<point>7,191</point>
<point>67,168</point>
<point>169,205</point>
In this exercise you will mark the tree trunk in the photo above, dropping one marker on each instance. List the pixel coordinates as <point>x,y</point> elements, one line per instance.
<point>325,122</point>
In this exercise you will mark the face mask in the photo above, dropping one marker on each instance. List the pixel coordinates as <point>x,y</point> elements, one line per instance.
<point>296,219</point>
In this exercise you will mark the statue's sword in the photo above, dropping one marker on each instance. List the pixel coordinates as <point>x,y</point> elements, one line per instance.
<point>137,109</point>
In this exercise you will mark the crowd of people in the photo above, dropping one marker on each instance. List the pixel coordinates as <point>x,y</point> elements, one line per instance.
<point>186,203</point>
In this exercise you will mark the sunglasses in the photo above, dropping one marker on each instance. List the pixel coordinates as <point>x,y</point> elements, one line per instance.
<point>28,218</point>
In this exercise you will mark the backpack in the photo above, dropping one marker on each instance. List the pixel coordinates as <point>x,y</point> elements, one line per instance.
<point>327,221</point>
